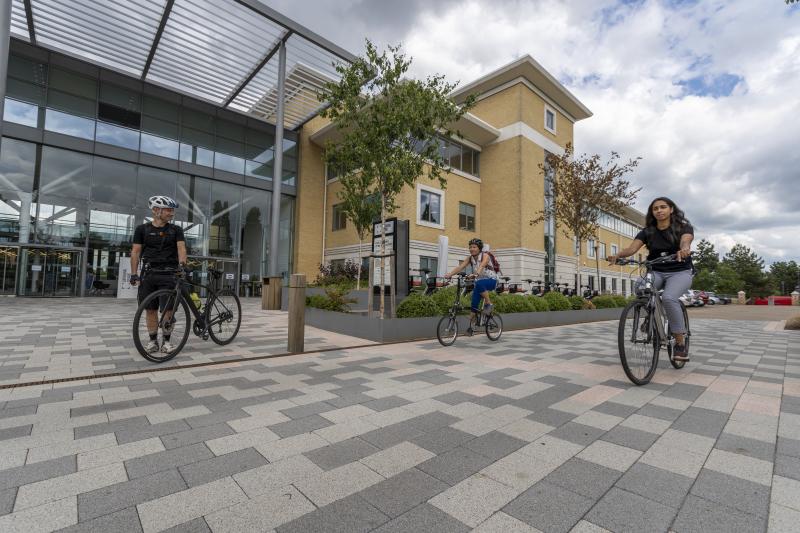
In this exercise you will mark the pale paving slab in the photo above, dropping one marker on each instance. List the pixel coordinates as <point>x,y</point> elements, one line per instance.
<point>740,466</point>
<point>49,490</point>
<point>598,420</point>
<point>475,499</point>
<point>345,430</point>
<point>786,492</point>
<point>587,527</point>
<point>610,455</point>
<point>500,522</point>
<point>49,517</point>
<point>646,423</point>
<point>275,475</point>
<point>527,430</point>
<point>119,454</point>
<point>338,483</point>
<point>295,445</point>
<point>782,519</point>
<point>392,461</point>
<point>53,451</point>
<point>261,513</point>
<point>180,507</point>
<point>240,441</point>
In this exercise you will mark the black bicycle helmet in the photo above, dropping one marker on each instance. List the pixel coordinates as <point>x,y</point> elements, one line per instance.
<point>476,242</point>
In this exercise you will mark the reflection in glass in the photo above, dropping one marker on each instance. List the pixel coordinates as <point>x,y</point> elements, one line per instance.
<point>229,163</point>
<point>226,203</point>
<point>117,135</point>
<point>197,155</point>
<point>21,113</point>
<point>194,196</point>
<point>286,231</point>
<point>111,227</point>
<point>154,181</point>
<point>16,212</point>
<point>69,124</point>
<point>61,224</point>
<point>113,181</point>
<point>65,173</point>
<point>255,235</point>
<point>153,144</point>
<point>259,170</point>
<point>17,165</point>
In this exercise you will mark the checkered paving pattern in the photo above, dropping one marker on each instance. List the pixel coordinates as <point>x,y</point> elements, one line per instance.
<point>537,432</point>
<point>62,338</point>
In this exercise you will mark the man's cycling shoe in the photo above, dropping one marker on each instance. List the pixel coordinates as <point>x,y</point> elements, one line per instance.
<point>152,347</point>
<point>167,347</point>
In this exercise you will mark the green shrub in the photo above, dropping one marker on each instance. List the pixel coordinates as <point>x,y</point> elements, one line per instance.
<point>511,303</point>
<point>576,302</point>
<point>418,305</point>
<point>607,301</point>
<point>334,299</point>
<point>537,303</point>
<point>587,305</point>
<point>557,301</point>
<point>621,301</point>
<point>443,298</point>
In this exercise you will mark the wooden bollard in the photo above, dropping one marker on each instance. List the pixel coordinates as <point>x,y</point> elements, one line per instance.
<point>297,313</point>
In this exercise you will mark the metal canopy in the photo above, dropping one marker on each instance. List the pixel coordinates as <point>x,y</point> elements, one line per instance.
<point>221,51</point>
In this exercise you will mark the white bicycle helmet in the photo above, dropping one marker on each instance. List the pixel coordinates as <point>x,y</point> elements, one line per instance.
<point>162,202</point>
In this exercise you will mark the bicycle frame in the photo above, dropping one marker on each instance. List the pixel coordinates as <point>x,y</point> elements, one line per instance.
<point>181,288</point>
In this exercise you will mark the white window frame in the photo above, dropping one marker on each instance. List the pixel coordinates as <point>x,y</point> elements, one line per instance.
<point>590,248</point>
<point>602,250</point>
<point>433,190</point>
<point>614,249</point>
<point>554,129</point>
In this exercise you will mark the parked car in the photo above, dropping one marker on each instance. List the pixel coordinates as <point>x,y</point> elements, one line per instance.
<point>724,300</point>
<point>692,299</point>
<point>714,299</point>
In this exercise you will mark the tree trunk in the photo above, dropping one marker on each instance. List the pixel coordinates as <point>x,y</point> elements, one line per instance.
<point>381,270</point>
<point>360,260</point>
<point>597,262</point>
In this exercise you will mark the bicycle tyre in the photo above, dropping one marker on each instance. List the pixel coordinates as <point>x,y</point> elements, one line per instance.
<point>168,294</point>
<point>447,330</point>
<point>627,356</point>
<point>681,364</point>
<point>216,337</point>
<point>494,326</point>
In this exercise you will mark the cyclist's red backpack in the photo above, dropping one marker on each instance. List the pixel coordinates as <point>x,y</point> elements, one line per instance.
<point>495,263</point>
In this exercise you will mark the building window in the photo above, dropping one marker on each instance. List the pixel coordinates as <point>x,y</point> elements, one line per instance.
<point>430,207</point>
<point>458,156</point>
<point>602,250</point>
<point>614,285</point>
<point>337,265</point>
<point>624,287</point>
<point>591,283</point>
<point>549,119</point>
<point>603,284</point>
<point>614,249</point>
<point>590,248</point>
<point>429,263</point>
<point>466,216</point>
<point>339,218</point>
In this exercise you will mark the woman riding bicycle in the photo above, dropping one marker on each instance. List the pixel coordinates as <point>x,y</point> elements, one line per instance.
<point>486,278</point>
<point>667,232</point>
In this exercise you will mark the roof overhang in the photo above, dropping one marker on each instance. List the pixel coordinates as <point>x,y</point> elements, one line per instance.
<point>224,52</point>
<point>529,69</point>
<point>468,126</point>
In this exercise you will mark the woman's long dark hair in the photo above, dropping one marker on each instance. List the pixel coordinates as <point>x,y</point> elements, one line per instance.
<point>676,223</point>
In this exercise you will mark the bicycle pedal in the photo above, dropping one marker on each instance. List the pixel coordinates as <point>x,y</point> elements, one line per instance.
<point>205,336</point>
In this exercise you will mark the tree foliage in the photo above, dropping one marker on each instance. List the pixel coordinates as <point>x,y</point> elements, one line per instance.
<point>785,276</point>
<point>705,257</point>
<point>749,267</point>
<point>389,125</point>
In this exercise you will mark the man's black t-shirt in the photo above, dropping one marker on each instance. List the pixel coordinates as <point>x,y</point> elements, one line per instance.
<point>159,245</point>
<point>661,243</point>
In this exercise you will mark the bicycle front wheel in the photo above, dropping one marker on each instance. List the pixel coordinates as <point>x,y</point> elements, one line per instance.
<point>494,326</point>
<point>224,316</point>
<point>638,343</point>
<point>447,330</point>
<point>169,318</point>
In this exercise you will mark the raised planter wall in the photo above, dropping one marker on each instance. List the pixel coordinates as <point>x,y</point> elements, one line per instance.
<point>409,329</point>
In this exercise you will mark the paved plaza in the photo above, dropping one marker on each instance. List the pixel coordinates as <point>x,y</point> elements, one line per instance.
<point>540,431</point>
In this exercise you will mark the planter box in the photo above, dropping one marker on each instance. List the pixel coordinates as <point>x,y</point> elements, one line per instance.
<point>409,329</point>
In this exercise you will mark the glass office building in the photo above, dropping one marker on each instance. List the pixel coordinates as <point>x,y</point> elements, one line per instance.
<point>83,149</point>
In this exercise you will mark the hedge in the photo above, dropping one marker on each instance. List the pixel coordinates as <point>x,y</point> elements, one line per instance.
<point>557,301</point>
<point>418,305</point>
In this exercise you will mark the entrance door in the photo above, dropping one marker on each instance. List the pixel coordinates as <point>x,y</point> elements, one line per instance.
<point>50,272</point>
<point>8,270</point>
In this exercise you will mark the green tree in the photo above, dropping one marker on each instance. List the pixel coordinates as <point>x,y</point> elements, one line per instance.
<point>705,280</point>
<point>785,276</point>
<point>749,267</point>
<point>727,281</point>
<point>584,188</point>
<point>389,125</point>
<point>705,257</point>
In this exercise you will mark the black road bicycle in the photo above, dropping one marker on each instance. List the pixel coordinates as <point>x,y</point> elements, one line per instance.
<point>219,319</point>
<point>447,329</point>
<point>644,328</point>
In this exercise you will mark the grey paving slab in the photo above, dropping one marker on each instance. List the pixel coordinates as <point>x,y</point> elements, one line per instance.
<point>431,421</point>
<point>121,496</point>
<point>745,446</point>
<point>656,484</point>
<point>455,465</point>
<point>701,422</point>
<point>351,514</point>
<point>577,433</point>
<point>23,475</point>
<point>229,464</point>
<point>198,525</point>
<point>425,517</point>
<point>156,462</point>
<point>704,516</point>
<point>341,453</point>
<point>133,434</point>
<point>615,512</point>
<point>630,437</point>
<point>583,477</point>
<point>741,494</point>
<point>7,498</point>
<point>549,507</point>
<point>390,435</point>
<point>403,492</point>
<point>193,436</point>
<point>300,425</point>
<point>495,445</point>
<point>124,521</point>
<point>442,439</point>
<point>787,466</point>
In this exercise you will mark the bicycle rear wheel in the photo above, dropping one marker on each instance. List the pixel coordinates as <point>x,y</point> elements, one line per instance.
<point>638,343</point>
<point>447,330</point>
<point>173,318</point>
<point>681,364</point>
<point>225,317</point>
<point>494,326</point>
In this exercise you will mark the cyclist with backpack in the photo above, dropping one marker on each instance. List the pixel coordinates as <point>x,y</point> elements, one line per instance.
<point>160,245</point>
<point>484,268</point>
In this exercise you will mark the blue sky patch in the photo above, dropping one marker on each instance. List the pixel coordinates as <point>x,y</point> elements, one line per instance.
<point>714,86</point>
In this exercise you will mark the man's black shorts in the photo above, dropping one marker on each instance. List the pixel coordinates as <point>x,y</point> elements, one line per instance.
<point>153,282</point>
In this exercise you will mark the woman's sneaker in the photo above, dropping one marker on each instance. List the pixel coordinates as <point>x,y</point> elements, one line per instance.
<point>679,352</point>
<point>152,347</point>
<point>487,309</point>
<point>167,347</point>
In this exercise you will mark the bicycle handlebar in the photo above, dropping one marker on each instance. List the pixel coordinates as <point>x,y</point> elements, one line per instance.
<point>664,259</point>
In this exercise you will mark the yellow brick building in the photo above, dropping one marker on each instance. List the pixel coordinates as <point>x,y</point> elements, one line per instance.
<point>494,190</point>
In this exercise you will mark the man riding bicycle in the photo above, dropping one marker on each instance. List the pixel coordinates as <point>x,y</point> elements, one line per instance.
<point>161,247</point>
<point>483,270</point>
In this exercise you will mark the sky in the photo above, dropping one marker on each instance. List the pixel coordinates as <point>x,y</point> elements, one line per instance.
<point>706,92</point>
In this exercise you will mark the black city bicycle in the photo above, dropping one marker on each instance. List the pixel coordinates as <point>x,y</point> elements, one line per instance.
<point>447,329</point>
<point>219,319</point>
<point>644,328</point>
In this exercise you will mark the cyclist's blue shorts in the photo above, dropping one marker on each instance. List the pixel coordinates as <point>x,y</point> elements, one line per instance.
<point>481,286</point>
